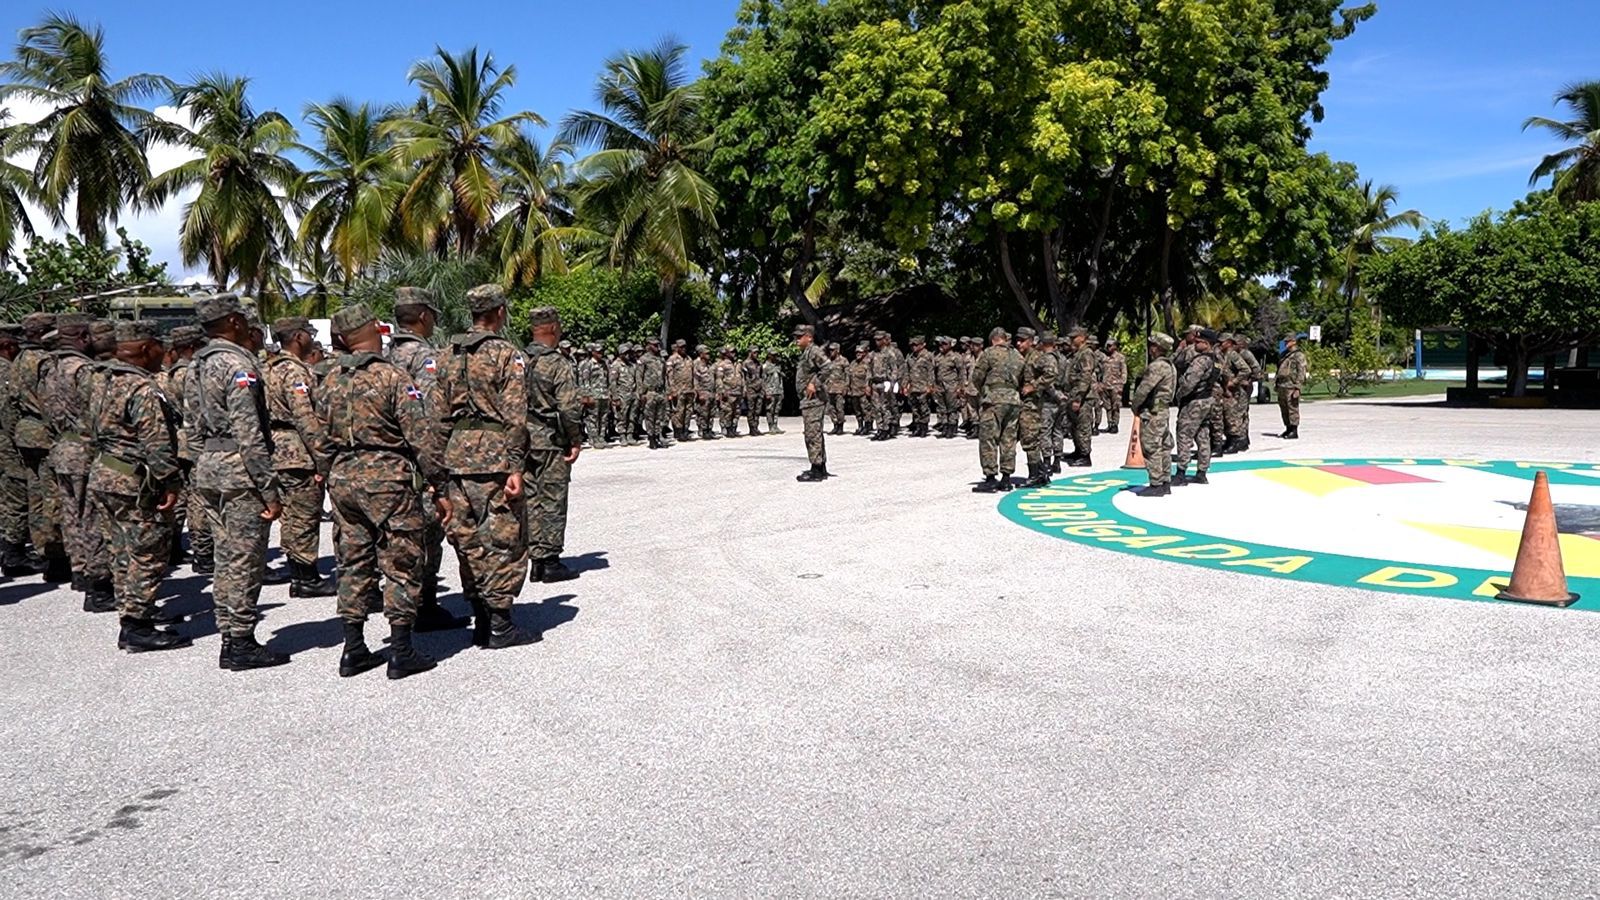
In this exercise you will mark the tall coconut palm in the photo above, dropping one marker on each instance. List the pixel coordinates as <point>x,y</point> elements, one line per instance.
<point>236,225</point>
<point>1373,235</point>
<point>16,185</point>
<point>643,182</point>
<point>1575,170</point>
<point>350,192</point>
<point>448,140</point>
<point>91,146</point>
<point>536,187</point>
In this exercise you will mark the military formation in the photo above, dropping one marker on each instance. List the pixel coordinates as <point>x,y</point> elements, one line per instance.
<point>127,453</point>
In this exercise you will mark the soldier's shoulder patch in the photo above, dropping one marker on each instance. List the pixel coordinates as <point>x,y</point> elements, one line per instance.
<point>413,392</point>
<point>301,387</point>
<point>430,364</point>
<point>244,378</point>
<point>518,361</point>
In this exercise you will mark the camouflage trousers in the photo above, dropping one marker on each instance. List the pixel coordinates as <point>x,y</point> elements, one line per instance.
<point>1242,401</point>
<point>14,502</point>
<point>300,526</point>
<point>1155,442</point>
<point>625,415</point>
<point>704,409</point>
<point>772,404</point>
<point>969,407</point>
<point>1111,402</point>
<point>997,437</point>
<point>1049,433</point>
<point>595,420</point>
<point>240,542</point>
<point>837,404</point>
<point>812,413</point>
<point>682,408</point>
<point>755,406</point>
<point>380,543</point>
<point>949,400</point>
<point>193,507</point>
<point>545,484</point>
<point>1233,410</point>
<point>861,404</point>
<point>1217,419</point>
<point>1289,406</point>
<point>135,531</point>
<point>81,528</point>
<point>1080,427</point>
<point>1194,434</point>
<point>44,505</point>
<point>887,408</point>
<point>728,411</point>
<point>1031,431</point>
<point>921,406</point>
<point>486,528</point>
<point>652,412</point>
<point>432,539</point>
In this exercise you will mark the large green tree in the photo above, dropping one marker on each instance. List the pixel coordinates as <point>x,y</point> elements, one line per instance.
<point>1574,170</point>
<point>92,144</point>
<point>349,193</point>
<point>1373,235</point>
<point>16,185</point>
<point>530,238</point>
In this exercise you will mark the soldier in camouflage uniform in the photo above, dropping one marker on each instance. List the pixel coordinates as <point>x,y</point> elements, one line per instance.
<point>1078,397</point>
<point>1114,378</point>
<point>861,389</point>
<point>836,378</point>
<point>379,441</point>
<point>1150,402</point>
<point>186,339</point>
<point>810,387</point>
<point>225,415</point>
<point>1099,375</point>
<point>705,391</point>
<point>729,380</point>
<point>680,388</point>
<point>772,390</point>
<point>755,395</point>
<point>1235,375</point>
<point>1291,378</point>
<point>483,380</point>
<point>1246,391</point>
<point>882,368</point>
<point>651,375</point>
<point>625,395</point>
<point>594,390</point>
<point>1196,398</point>
<point>13,472</point>
<point>1040,398</point>
<point>411,347</point>
<point>555,438</point>
<point>133,481</point>
<point>947,386</point>
<point>969,391</point>
<point>997,377</point>
<point>295,430</point>
<point>921,390</point>
<point>66,392</point>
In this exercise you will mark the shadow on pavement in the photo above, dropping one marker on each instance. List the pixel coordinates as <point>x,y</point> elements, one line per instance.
<point>12,592</point>
<point>588,562</point>
<point>539,618</point>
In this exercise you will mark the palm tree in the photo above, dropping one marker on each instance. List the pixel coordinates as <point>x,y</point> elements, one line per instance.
<point>536,193</point>
<point>91,146</point>
<point>237,224</point>
<point>1373,236</point>
<point>642,182</point>
<point>1574,171</point>
<point>16,185</point>
<point>350,194</point>
<point>449,140</point>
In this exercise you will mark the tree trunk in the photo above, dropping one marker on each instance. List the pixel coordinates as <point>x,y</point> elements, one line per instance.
<point>669,288</point>
<point>1168,300</point>
<point>1091,278</point>
<point>797,274</point>
<point>1017,290</point>
<point>1049,248</point>
<point>1517,367</point>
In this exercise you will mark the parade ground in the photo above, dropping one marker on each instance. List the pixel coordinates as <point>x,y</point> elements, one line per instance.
<point>886,685</point>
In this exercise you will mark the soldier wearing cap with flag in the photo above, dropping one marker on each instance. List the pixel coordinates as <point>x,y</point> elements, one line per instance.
<point>295,430</point>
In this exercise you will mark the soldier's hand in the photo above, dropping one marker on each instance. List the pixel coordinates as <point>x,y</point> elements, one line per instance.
<point>272,512</point>
<point>811,391</point>
<point>169,499</point>
<point>442,504</point>
<point>572,454</point>
<point>514,485</point>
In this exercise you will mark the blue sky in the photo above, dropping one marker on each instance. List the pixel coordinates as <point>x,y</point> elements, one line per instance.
<point>1429,95</point>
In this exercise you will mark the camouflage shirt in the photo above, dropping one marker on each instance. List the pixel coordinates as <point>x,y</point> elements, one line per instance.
<point>593,382</point>
<point>624,379</point>
<point>130,430</point>
<point>947,370</point>
<point>555,411</point>
<point>837,375</point>
<point>28,373</point>
<point>860,378</point>
<point>772,379</point>
<point>66,392</point>
<point>1292,370</point>
<point>419,358</point>
<point>1116,370</point>
<point>1040,372</point>
<point>680,374</point>
<point>752,377</point>
<point>809,373</point>
<point>177,379</point>
<point>997,376</point>
<point>291,410</point>
<point>1155,391</point>
<point>225,416</point>
<point>483,388</point>
<point>919,371</point>
<point>378,426</point>
<point>1080,375</point>
<point>1235,371</point>
<point>1251,363</point>
<point>729,378</point>
<point>1198,378</point>
<point>651,374</point>
<point>705,380</point>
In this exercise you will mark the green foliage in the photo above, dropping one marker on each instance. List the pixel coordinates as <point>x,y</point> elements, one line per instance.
<point>52,272</point>
<point>608,305</point>
<point>1343,367</point>
<point>762,336</point>
<point>449,278</point>
<point>1574,170</point>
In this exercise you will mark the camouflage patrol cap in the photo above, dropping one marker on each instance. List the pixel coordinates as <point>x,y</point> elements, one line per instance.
<point>543,315</point>
<point>880,335</point>
<point>187,336</point>
<point>1227,336</point>
<point>1195,329</point>
<point>727,349</point>
<point>414,296</point>
<point>102,326</point>
<point>486,298</point>
<point>862,347</point>
<point>73,322</point>
<point>1209,335</point>
<point>833,345</point>
<point>289,326</point>
<point>1026,334</point>
<point>680,342</point>
<point>34,325</point>
<point>1047,337</point>
<point>774,350</point>
<point>918,339</point>
<point>802,330</point>
<point>624,347</point>
<point>1111,342</point>
<point>701,348</point>
<point>592,347</point>
<point>998,332</point>
<point>1076,330</point>
<point>564,345</point>
<point>652,342</point>
<point>129,331</point>
<point>1161,340</point>
<point>352,319</point>
<point>213,307</point>
<point>1094,340</point>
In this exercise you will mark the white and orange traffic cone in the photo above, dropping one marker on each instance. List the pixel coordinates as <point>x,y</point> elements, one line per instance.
<point>1538,576</point>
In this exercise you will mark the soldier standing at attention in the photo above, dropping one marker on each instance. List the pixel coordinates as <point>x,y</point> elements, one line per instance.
<point>920,387</point>
<point>226,419</point>
<point>555,438</point>
<point>1196,398</point>
<point>594,394</point>
<point>1080,376</point>
<point>997,377</point>
<point>885,393</point>
<point>13,472</point>
<point>379,439</point>
<point>1039,400</point>
<point>651,383</point>
<point>1150,402</point>
<point>729,379</point>
<point>861,389</point>
<point>1292,370</point>
<point>416,312</point>
<point>755,394</point>
<point>1115,379</point>
<point>680,388</point>
<point>186,339</point>
<point>836,378</point>
<point>971,349</point>
<point>1247,392</point>
<point>134,482</point>
<point>772,390</point>
<point>1099,383</point>
<point>624,395</point>
<point>65,393</point>
<point>1049,376</point>
<point>295,430</point>
<point>813,393</point>
<point>29,371</point>
<point>947,386</point>
<point>705,389</point>
<point>1235,375</point>
<point>483,380</point>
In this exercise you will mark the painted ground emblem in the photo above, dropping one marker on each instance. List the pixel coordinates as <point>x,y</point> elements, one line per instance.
<point>1434,527</point>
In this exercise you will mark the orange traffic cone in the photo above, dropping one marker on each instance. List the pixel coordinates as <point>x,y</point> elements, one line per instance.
<point>1135,452</point>
<point>1538,576</point>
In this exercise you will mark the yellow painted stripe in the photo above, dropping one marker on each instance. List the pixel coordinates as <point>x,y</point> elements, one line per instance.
<point>1316,482</point>
<point>1580,555</point>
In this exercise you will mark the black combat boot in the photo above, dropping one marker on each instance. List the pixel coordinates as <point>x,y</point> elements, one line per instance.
<point>1292,434</point>
<point>79,582</point>
<point>1111,430</point>
<point>503,632</point>
<point>433,617</point>
<point>1154,490</point>
<point>1038,476</point>
<point>1180,478</point>
<point>653,442</point>
<point>306,581</point>
<point>404,659</point>
<point>1080,462</point>
<point>142,636</point>
<point>242,652</point>
<point>755,431</point>
<point>550,571</point>
<point>1200,478</point>
<point>815,473</point>
<point>356,658</point>
<point>14,562</point>
<point>204,565</point>
<point>98,597</point>
<point>480,623</point>
<point>1006,484</point>
<point>988,485</point>
<point>838,430</point>
<point>1055,466</point>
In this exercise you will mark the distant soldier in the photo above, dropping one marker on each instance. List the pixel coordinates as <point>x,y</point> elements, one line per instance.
<point>1196,398</point>
<point>705,391</point>
<point>483,381</point>
<point>860,389</point>
<point>186,339</point>
<point>13,472</point>
<point>971,348</point>
<point>1185,349</point>
<point>813,394</point>
<point>680,388</point>
<point>295,430</point>
<point>1099,383</point>
<point>921,390</point>
<point>885,389</point>
<point>947,384</point>
<point>1150,402</point>
<point>1040,398</point>
<point>755,395</point>
<point>1291,378</point>
<point>66,392</point>
<point>836,378</point>
<point>997,377</point>
<point>555,438</point>
<point>594,390</point>
<point>729,378</point>
<point>625,395</point>
<point>31,436</point>
<point>1235,377</point>
<point>225,415</point>
<point>1246,391</point>
<point>772,390</point>
<point>1114,380</point>
<point>134,481</point>
<point>1078,397</point>
<point>651,375</point>
<point>380,442</point>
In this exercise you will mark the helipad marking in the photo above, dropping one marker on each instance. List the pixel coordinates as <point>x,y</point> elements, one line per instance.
<point>1579,553</point>
<point>1377,475</point>
<point>1317,482</point>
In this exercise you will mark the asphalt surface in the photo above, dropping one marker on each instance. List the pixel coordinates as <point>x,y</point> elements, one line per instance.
<point>874,686</point>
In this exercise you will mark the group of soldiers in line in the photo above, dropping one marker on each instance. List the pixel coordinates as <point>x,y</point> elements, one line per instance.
<point>117,441</point>
<point>1034,391</point>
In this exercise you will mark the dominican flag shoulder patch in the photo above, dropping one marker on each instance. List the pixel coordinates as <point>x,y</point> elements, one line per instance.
<point>519,362</point>
<point>412,392</point>
<point>301,387</point>
<point>430,365</point>
<point>244,379</point>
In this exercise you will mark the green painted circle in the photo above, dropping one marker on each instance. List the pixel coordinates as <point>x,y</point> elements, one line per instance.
<point>1083,510</point>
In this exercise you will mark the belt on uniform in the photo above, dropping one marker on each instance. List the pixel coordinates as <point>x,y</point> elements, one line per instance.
<point>473,423</point>
<point>221,445</point>
<point>119,465</point>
